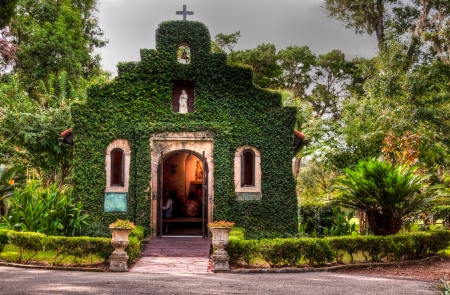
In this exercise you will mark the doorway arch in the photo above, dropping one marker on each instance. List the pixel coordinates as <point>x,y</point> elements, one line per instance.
<point>162,147</point>
<point>183,174</point>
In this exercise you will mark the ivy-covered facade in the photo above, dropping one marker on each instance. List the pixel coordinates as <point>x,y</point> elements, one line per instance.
<point>139,113</point>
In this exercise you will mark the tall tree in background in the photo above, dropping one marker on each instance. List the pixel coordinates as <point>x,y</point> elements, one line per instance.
<point>7,47</point>
<point>296,63</point>
<point>263,61</point>
<point>222,42</point>
<point>56,36</point>
<point>426,22</point>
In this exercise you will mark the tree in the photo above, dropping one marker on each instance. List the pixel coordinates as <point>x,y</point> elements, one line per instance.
<point>56,36</point>
<point>364,16</point>
<point>393,102</point>
<point>224,41</point>
<point>387,193</point>
<point>7,10</point>
<point>32,126</point>
<point>422,21</point>
<point>264,63</point>
<point>296,63</point>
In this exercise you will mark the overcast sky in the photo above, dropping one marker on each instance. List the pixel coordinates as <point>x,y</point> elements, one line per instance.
<point>130,25</point>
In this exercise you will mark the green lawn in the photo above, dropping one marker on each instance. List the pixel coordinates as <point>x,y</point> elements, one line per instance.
<point>10,254</point>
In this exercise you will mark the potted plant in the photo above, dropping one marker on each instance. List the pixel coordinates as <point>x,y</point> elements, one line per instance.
<point>220,231</point>
<point>120,231</point>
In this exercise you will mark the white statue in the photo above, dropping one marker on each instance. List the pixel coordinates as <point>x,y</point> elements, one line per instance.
<point>183,102</point>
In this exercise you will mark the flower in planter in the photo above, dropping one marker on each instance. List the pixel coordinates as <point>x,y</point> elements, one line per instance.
<point>123,224</point>
<point>11,182</point>
<point>221,223</point>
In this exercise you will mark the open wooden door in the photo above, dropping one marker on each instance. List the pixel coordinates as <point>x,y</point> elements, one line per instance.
<point>159,225</point>
<point>205,197</point>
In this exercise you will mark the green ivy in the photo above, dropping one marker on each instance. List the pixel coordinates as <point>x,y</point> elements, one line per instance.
<point>138,103</point>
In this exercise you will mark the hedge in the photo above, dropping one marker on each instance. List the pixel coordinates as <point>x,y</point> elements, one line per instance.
<point>79,247</point>
<point>318,251</point>
<point>3,240</point>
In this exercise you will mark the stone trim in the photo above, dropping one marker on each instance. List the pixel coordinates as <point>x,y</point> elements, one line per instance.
<point>237,171</point>
<point>125,147</point>
<point>169,142</point>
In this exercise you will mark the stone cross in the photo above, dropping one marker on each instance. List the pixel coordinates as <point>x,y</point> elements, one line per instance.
<point>184,12</point>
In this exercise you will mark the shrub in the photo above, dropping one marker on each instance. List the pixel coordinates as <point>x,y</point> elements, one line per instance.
<point>315,250</point>
<point>79,247</point>
<point>345,244</point>
<point>341,224</point>
<point>133,249</point>
<point>138,232</point>
<point>47,210</point>
<point>26,241</point>
<point>387,193</point>
<point>3,240</point>
<point>319,251</point>
<point>314,218</point>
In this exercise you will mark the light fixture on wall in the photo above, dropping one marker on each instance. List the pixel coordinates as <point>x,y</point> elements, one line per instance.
<point>173,168</point>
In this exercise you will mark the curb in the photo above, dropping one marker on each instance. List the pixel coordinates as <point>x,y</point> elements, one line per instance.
<point>51,267</point>
<point>332,268</point>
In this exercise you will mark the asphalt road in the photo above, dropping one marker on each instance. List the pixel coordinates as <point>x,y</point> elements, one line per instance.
<point>35,281</point>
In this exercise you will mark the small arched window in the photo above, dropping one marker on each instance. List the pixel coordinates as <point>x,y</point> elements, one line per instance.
<point>117,167</point>
<point>247,168</point>
<point>184,54</point>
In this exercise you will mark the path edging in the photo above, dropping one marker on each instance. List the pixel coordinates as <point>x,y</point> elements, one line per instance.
<point>332,268</point>
<point>18,265</point>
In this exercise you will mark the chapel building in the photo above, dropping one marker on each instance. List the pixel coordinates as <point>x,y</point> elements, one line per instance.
<point>182,124</point>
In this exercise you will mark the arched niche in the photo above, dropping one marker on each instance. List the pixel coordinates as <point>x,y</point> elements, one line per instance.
<point>186,89</point>
<point>183,53</point>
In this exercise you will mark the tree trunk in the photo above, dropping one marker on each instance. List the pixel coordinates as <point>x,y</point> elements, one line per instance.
<point>382,224</point>
<point>380,23</point>
<point>297,163</point>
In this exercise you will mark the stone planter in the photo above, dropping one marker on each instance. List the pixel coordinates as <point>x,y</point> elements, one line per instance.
<point>118,260</point>
<point>220,256</point>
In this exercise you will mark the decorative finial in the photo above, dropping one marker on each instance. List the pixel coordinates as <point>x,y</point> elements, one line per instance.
<point>185,12</point>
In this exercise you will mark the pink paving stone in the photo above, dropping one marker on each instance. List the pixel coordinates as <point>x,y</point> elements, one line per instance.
<point>175,255</point>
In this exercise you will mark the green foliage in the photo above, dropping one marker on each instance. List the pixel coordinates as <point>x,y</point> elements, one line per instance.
<point>378,186</point>
<point>9,179</point>
<point>225,41</point>
<point>296,62</point>
<point>7,8</point>
<point>33,126</point>
<point>445,287</point>
<point>79,247</point>
<point>3,240</point>
<point>138,104</point>
<point>442,212</point>
<point>26,241</point>
<point>314,183</point>
<point>341,224</point>
<point>263,62</point>
<point>55,37</point>
<point>315,217</point>
<point>138,232</point>
<point>47,210</point>
<point>297,251</point>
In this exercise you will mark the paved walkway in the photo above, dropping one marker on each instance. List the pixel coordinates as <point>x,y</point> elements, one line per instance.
<point>174,255</point>
<point>19,281</point>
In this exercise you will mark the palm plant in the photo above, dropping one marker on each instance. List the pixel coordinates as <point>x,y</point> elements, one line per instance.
<point>387,193</point>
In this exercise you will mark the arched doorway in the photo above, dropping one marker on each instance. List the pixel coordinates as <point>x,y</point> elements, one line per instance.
<point>182,177</point>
